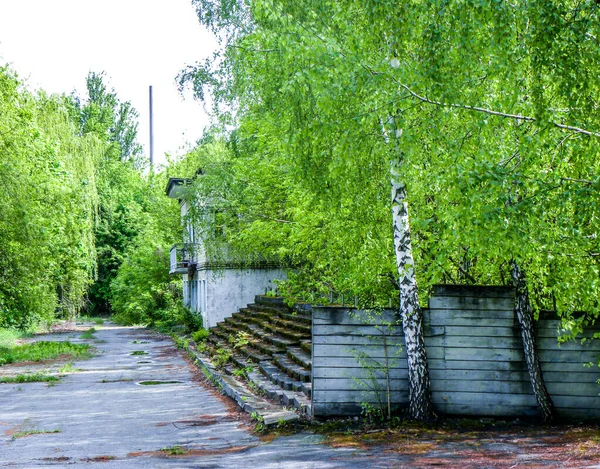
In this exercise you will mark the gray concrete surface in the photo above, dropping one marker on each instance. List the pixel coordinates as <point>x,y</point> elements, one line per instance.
<point>100,416</point>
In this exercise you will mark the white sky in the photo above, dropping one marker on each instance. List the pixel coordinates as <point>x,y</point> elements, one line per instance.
<point>53,44</point>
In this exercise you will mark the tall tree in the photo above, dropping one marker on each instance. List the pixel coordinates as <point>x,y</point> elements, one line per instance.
<point>121,187</point>
<point>498,138</point>
<point>49,200</point>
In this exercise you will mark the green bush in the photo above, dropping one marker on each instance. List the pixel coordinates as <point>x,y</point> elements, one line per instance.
<point>200,335</point>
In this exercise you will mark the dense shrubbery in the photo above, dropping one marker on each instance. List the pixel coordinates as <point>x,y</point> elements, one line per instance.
<point>77,210</point>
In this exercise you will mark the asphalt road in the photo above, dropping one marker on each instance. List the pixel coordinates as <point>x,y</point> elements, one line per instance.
<point>139,403</point>
<point>102,415</point>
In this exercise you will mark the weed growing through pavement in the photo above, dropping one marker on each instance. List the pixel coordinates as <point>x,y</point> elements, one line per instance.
<point>25,433</point>
<point>68,368</point>
<point>89,334</point>
<point>33,378</point>
<point>174,450</point>
<point>39,351</point>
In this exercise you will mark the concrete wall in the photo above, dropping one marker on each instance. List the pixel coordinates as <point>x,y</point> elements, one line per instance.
<point>229,289</point>
<point>475,358</point>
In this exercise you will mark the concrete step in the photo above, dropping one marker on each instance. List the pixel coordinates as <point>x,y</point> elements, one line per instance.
<point>294,399</point>
<point>271,301</point>
<point>269,413</point>
<point>273,309</point>
<point>237,322</point>
<point>281,379</point>
<point>291,369</point>
<point>289,334</point>
<point>300,357</point>
<point>256,356</point>
<point>298,318</point>
<point>257,317</point>
<point>306,345</point>
<point>292,325</point>
<point>280,343</point>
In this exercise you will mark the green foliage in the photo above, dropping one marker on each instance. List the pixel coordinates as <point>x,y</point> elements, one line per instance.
<point>221,357</point>
<point>200,335</point>
<point>49,199</point>
<point>39,351</point>
<point>489,106</point>
<point>142,291</point>
<point>33,378</point>
<point>9,337</point>
<point>174,450</point>
<point>89,334</point>
<point>33,432</point>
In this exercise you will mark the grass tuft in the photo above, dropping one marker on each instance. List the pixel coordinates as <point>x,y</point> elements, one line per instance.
<point>25,433</point>
<point>39,351</point>
<point>89,334</point>
<point>33,378</point>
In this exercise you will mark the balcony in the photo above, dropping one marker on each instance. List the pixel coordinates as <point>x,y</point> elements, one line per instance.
<point>183,256</point>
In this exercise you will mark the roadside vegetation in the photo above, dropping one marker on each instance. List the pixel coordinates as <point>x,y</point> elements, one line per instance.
<point>40,351</point>
<point>333,122</point>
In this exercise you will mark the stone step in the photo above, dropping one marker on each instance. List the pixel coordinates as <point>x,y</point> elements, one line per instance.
<point>237,322</point>
<point>223,331</point>
<point>269,413</point>
<point>264,348</point>
<point>297,400</point>
<point>273,309</point>
<point>297,318</point>
<point>276,376</point>
<point>257,317</point>
<point>291,369</point>
<point>253,354</point>
<point>291,335</point>
<point>306,345</point>
<point>300,357</point>
<point>270,300</point>
<point>279,342</point>
<point>292,325</point>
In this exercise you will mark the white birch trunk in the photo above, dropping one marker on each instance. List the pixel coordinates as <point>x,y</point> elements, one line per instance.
<point>525,318</point>
<point>420,404</point>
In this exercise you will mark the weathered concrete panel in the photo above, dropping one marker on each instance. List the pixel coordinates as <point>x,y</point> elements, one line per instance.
<point>475,356</point>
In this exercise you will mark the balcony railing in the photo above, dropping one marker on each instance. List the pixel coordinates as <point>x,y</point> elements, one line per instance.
<point>183,256</point>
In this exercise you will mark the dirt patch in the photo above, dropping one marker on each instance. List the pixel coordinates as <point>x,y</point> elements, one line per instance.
<point>56,459</point>
<point>512,446</point>
<point>184,452</point>
<point>67,326</point>
<point>200,421</point>
<point>99,459</point>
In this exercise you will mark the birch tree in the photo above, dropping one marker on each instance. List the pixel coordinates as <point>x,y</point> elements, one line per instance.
<point>496,102</point>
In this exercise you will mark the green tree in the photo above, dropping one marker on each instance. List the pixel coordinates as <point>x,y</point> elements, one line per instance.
<point>49,201</point>
<point>121,185</point>
<point>481,113</point>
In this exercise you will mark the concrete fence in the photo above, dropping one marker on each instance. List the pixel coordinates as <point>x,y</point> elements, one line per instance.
<point>474,352</point>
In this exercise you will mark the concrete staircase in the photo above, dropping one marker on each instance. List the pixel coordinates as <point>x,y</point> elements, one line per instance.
<point>270,345</point>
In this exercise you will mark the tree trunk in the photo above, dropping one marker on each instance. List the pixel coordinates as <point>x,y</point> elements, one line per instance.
<point>525,317</point>
<point>419,394</point>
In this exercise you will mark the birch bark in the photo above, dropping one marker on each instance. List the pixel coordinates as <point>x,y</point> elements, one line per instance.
<point>420,403</point>
<point>525,318</point>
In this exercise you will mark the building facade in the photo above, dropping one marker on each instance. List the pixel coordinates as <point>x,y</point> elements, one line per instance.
<point>216,287</point>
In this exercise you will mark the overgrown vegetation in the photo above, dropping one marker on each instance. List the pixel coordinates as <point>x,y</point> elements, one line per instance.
<point>39,351</point>
<point>32,378</point>
<point>82,226</point>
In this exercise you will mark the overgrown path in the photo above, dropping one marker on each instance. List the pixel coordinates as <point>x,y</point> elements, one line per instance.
<point>102,413</point>
<point>139,403</point>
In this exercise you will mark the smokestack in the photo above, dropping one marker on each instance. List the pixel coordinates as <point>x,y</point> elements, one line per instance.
<point>151,130</point>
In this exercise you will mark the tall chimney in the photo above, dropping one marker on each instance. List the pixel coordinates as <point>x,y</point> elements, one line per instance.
<point>151,130</point>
